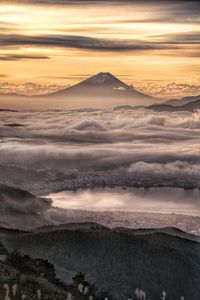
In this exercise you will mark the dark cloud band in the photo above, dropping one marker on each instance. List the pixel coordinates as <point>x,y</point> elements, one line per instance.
<point>83,42</point>
<point>11,57</point>
<point>63,2</point>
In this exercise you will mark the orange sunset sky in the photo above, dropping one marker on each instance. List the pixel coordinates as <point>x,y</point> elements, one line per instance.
<point>49,44</point>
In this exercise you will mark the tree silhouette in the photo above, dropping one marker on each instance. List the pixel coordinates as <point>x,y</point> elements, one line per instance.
<point>79,278</point>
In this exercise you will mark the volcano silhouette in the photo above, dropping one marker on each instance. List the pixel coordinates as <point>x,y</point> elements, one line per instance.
<point>106,89</point>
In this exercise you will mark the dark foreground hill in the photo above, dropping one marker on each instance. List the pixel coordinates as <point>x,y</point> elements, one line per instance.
<point>119,260</point>
<point>22,277</point>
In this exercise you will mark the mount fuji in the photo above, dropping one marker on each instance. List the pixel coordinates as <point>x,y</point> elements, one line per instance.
<point>101,91</point>
<point>104,90</point>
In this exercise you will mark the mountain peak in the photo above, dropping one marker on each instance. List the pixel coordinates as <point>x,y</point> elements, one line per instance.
<point>105,75</point>
<point>106,78</point>
<point>104,86</point>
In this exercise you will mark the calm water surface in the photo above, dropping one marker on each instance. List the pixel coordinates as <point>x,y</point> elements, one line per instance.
<point>163,200</point>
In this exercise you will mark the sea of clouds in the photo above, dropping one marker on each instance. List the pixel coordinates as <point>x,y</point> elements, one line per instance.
<point>67,149</point>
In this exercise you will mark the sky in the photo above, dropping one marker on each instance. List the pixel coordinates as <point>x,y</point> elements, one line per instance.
<point>49,44</point>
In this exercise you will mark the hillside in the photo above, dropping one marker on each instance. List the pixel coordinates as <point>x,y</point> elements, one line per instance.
<point>120,261</point>
<point>25,278</point>
<point>19,208</point>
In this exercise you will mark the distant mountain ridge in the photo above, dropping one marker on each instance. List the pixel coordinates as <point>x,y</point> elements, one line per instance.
<point>190,103</point>
<point>190,106</point>
<point>182,101</point>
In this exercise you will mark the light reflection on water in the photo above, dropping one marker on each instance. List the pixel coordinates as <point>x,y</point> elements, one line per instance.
<point>163,200</point>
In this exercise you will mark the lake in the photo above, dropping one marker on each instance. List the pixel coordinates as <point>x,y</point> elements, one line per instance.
<point>162,200</point>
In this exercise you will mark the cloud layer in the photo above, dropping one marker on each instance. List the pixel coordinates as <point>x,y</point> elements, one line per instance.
<point>85,42</point>
<point>15,57</point>
<point>55,150</point>
<point>170,10</point>
<point>28,88</point>
<point>167,42</point>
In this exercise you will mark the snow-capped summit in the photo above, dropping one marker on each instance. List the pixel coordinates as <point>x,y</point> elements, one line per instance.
<point>103,77</point>
<point>106,79</point>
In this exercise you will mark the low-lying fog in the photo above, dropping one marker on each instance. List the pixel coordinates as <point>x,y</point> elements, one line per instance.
<point>162,200</point>
<point>54,150</point>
